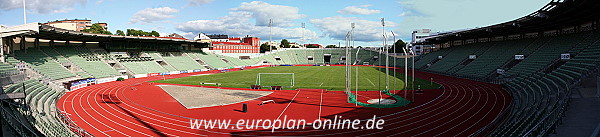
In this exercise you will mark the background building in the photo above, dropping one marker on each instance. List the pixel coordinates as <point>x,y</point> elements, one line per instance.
<point>225,44</point>
<point>417,36</point>
<point>75,24</point>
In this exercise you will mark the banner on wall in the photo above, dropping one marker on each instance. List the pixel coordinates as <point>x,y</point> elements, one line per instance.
<point>165,73</point>
<point>519,57</point>
<point>153,74</point>
<point>565,56</point>
<point>80,83</point>
<point>472,56</point>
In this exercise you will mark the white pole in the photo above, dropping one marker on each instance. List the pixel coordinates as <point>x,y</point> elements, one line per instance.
<point>24,13</point>
<point>387,59</point>
<point>270,35</point>
<point>413,75</point>
<point>394,46</point>
<point>1,46</point>
<point>302,39</point>
<point>405,72</point>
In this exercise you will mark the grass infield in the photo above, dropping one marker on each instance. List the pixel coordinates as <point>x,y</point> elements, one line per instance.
<point>311,77</point>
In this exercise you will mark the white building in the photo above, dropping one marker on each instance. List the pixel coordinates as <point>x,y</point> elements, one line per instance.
<point>417,35</point>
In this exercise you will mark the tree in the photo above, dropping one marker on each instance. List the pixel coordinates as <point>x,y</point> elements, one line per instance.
<point>265,47</point>
<point>285,43</point>
<point>155,34</point>
<point>133,32</point>
<point>120,33</point>
<point>399,46</point>
<point>96,28</point>
<point>331,46</point>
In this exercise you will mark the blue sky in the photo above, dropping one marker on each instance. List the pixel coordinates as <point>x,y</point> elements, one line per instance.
<point>327,21</point>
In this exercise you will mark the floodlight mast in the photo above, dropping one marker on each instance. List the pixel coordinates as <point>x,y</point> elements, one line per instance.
<point>270,35</point>
<point>349,69</point>
<point>387,59</point>
<point>347,87</point>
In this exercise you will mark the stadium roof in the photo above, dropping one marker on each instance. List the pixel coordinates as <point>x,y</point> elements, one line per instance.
<point>557,14</point>
<point>38,30</point>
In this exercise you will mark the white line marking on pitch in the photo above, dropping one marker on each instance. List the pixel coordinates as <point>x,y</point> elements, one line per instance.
<point>321,84</point>
<point>371,82</point>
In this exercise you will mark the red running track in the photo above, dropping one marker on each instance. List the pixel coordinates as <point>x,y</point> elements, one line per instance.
<point>117,109</point>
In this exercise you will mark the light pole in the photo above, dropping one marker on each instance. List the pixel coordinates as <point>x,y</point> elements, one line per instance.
<point>270,35</point>
<point>413,72</point>
<point>394,46</point>
<point>24,13</point>
<point>405,72</point>
<point>387,59</point>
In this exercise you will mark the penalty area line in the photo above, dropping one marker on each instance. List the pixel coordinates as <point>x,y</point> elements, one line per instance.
<point>371,82</point>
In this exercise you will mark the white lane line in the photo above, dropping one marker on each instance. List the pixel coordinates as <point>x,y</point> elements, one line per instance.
<point>288,104</point>
<point>320,105</point>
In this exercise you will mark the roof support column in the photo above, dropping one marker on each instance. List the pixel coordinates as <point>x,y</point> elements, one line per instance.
<point>36,43</point>
<point>67,43</point>
<point>52,43</point>
<point>22,45</point>
<point>11,44</point>
<point>84,44</point>
<point>2,49</point>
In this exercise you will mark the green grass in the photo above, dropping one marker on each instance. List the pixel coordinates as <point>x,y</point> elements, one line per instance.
<point>313,77</point>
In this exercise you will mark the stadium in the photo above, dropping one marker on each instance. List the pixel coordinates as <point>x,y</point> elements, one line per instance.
<point>532,76</point>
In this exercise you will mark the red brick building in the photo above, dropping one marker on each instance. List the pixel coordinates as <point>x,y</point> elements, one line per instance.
<point>238,45</point>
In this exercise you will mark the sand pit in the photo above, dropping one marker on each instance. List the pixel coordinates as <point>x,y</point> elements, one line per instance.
<point>198,97</point>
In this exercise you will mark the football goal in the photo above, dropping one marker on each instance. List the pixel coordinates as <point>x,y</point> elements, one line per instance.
<point>275,79</point>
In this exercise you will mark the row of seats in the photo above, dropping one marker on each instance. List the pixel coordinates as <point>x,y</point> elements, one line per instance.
<point>7,70</point>
<point>40,105</point>
<point>539,84</point>
<point>86,60</point>
<point>43,64</point>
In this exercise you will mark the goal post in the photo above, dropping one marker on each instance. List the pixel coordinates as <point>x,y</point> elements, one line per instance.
<point>275,79</point>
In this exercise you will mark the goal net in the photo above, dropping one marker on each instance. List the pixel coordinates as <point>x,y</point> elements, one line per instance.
<point>275,79</point>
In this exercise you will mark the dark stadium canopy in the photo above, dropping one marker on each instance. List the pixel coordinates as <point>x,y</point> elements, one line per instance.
<point>557,14</point>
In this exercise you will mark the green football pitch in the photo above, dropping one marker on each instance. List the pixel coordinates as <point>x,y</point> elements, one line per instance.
<point>311,77</point>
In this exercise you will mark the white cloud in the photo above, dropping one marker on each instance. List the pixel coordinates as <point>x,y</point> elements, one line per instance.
<point>445,15</point>
<point>188,35</point>
<point>41,6</point>
<point>337,27</point>
<point>199,2</point>
<point>250,20</point>
<point>150,15</point>
<point>262,12</point>
<point>358,10</point>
